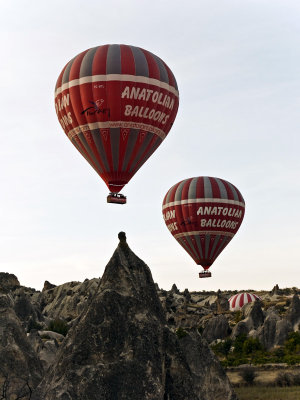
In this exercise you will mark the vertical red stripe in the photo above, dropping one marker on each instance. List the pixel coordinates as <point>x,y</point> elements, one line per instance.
<point>59,80</point>
<point>124,135</point>
<point>152,66</point>
<point>127,60</point>
<point>75,69</point>
<point>170,75</point>
<point>228,190</point>
<point>200,188</point>
<point>135,151</point>
<point>105,135</point>
<point>185,190</point>
<point>241,300</point>
<point>147,152</point>
<point>215,188</point>
<point>81,148</point>
<point>99,61</point>
<point>173,191</point>
<point>234,301</point>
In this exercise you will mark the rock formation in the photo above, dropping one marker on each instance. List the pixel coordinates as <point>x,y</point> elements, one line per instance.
<point>253,319</point>
<point>48,286</point>
<point>267,332</point>
<point>121,347</point>
<point>8,281</point>
<point>216,328</point>
<point>67,301</point>
<point>20,368</point>
<point>127,337</point>
<point>293,313</point>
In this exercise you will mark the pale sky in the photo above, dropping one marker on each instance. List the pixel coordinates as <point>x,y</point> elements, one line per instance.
<point>237,68</point>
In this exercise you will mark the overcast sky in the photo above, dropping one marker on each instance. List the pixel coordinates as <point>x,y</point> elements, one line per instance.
<point>237,68</point>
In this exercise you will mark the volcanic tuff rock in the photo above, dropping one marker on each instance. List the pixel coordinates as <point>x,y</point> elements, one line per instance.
<point>27,310</point>
<point>254,316</point>
<point>48,286</point>
<point>293,313</point>
<point>121,348</point>
<point>207,373</point>
<point>239,329</point>
<point>283,328</point>
<point>20,368</point>
<point>216,328</point>
<point>67,301</point>
<point>267,332</point>
<point>8,281</point>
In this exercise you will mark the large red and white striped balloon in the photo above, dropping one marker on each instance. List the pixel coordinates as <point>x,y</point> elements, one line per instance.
<point>203,214</point>
<point>116,103</point>
<point>237,301</point>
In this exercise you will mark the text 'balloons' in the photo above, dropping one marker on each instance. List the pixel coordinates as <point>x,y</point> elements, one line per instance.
<point>203,214</point>
<point>116,103</point>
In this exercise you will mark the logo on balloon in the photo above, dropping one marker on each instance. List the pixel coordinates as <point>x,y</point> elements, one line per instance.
<point>96,108</point>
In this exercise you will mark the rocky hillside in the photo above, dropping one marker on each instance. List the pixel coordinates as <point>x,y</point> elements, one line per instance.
<point>270,320</point>
<point>118,338</point>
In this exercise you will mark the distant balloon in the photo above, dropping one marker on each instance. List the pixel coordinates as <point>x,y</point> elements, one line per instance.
<point>203,214</point>
<point>237,301</point>
<point>116,103</point>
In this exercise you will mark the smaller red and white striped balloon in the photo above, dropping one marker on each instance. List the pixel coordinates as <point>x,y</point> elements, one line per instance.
<point>203,214</point>
<point>237,301</point>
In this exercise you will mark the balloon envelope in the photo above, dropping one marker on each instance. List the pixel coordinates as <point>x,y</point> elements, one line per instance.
<point>116,103</point>
<point>237,301</point>
<point>203,214</point>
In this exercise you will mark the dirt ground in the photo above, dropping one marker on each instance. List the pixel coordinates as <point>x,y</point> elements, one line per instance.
<point>266,375</point>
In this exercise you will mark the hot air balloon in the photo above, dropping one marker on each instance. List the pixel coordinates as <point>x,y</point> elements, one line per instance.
<point>116,103</point>
<point>237,301</point>
<point>203,214</point>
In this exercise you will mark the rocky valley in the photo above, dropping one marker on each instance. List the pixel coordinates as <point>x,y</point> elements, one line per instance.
<point>122,337</point>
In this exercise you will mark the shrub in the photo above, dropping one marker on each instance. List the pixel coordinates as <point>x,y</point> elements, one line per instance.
<point>296,379</point>
<point>181,333</point>
<point>251,345</point>
<point>223,348</point>
<point>33,325</point>
<point>291,359</point>
<point>239,342</point>
<point>234,361</point>
<point>238,316</point>
<point>248,374</point>
<point>58,326</point>
<point>284,379</point>
<point>260,357</point>
<point>292,344</point>
<point>279,352</point>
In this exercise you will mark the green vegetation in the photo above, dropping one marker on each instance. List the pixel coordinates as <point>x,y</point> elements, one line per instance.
<point>244,350</point>
<point>34,325</point>
<point>248,374</point>
<point>223,348</point>
<point>292,345</point>
<point>238,316</point>
<point>59,326</point>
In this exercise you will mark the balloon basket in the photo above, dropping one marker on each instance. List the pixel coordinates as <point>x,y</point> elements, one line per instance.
<point>116,198</point>
<point>204,274</point>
